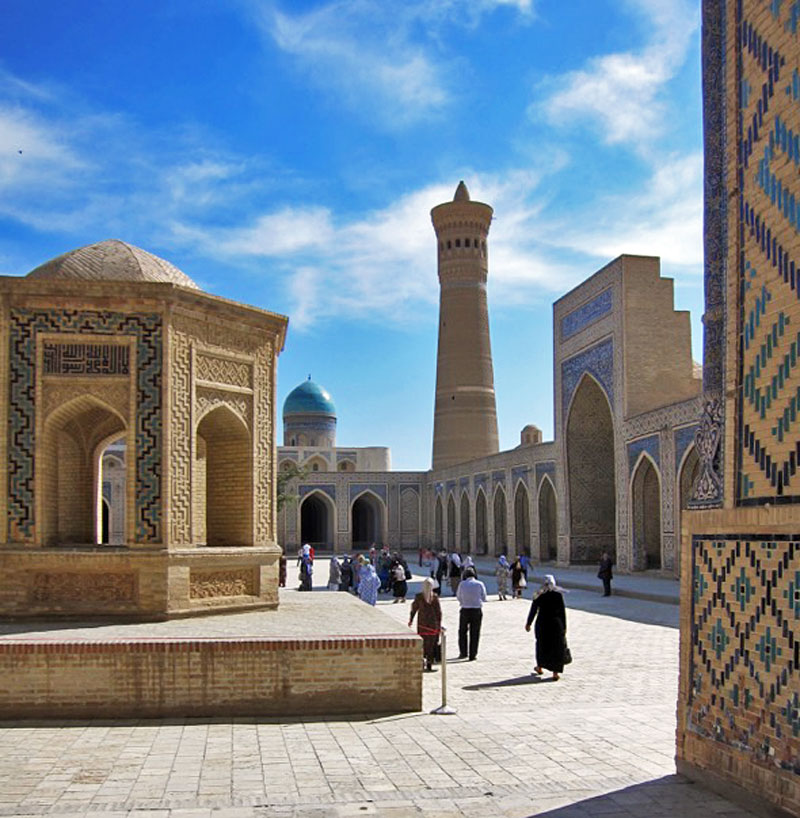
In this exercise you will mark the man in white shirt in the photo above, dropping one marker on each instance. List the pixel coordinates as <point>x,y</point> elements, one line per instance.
<point>471,595</point>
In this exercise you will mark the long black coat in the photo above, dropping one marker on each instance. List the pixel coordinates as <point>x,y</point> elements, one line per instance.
<point>550,630</point>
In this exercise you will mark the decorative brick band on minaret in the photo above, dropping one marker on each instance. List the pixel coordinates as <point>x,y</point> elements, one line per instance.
<point>465,417</point>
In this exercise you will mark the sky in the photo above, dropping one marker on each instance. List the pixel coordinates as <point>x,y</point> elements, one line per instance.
<point>287,155</point>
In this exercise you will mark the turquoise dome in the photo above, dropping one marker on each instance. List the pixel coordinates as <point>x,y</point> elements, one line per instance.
<point>309,399</point>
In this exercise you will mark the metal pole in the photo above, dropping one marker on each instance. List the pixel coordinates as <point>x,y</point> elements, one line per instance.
<point>444,710</point>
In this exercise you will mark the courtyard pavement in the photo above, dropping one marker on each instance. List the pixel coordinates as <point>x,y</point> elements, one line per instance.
<point>599,742</point>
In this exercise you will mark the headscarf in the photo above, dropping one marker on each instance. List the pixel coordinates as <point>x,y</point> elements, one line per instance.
<point>427,589</point>
<point>306,550</point>
<point>468,563</point>
<point>503,561</point>
<point>549,584</point>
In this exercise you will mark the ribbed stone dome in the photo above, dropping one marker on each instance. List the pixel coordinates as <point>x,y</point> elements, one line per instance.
<point>309,399</point>
<point>111,260</point>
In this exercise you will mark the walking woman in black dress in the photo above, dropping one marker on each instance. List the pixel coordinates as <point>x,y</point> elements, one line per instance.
<point>550,629</point>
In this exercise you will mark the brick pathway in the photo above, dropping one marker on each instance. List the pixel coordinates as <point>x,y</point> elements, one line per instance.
<point>598,742</point>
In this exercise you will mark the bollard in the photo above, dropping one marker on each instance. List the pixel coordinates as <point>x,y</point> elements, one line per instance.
<point>444,710</point>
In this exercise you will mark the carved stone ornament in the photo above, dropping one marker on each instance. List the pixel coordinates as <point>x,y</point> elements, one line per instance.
<point>707,491</point>
<point>207,584</point>
<point>71,587</point>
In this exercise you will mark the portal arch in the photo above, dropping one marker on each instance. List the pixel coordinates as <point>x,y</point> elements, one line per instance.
<point>645,490</point>
<point>590,473</point>
<point>223,479</point>
<point>74,437</point>
<point>317,514</point>
<point>500,522</point>
<point>367,520</point>
<point>522,520</point>
<point>548,521</point>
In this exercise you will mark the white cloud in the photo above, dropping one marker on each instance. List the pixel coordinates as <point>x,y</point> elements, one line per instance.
<point>621,92</point>
<point>664,219</point>
<point>385,60</point>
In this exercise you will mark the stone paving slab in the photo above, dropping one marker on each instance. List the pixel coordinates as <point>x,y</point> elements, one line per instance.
<point>598,742</point>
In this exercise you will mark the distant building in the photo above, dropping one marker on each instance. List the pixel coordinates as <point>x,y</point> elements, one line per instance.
<point>617,476</point>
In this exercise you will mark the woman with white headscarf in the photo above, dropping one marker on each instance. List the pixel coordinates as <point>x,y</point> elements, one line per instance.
<point>429,620</point>
<point>502,572</point>
<point>369,584</point>
<point>551,627</point>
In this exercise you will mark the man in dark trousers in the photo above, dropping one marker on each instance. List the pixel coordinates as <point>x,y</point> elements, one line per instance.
<point>605,573</point>
<point>471,595</point>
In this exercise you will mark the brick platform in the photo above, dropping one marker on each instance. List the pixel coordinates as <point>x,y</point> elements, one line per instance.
<point>320,654</point>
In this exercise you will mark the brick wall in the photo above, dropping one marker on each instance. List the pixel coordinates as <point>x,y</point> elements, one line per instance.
<point>150,678</point>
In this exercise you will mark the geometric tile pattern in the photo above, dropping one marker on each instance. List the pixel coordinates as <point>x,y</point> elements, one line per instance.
<point>768,433</point>
<point>684,437</point>
<point>25,325</point>
<point>586,314</point>
<point>598,360</point>
<point>546,467</point>
<point>646,444</point>
<point>745,658</point>
<point>378,489</point>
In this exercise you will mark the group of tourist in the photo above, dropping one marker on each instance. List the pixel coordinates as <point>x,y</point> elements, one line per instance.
<point>365,575</point>
<point>383,571</point>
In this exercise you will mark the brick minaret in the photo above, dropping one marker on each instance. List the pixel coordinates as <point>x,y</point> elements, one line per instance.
<point>465,417</point>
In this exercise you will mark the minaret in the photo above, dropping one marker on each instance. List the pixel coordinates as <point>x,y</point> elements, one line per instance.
<point>465,417</point>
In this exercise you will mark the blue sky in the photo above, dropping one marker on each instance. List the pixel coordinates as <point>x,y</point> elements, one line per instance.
<point>287,155</point>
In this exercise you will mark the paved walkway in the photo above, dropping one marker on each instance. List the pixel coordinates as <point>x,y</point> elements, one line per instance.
<point>598,742</point>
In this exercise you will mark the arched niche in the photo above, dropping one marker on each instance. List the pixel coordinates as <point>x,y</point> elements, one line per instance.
<point>522,520</point>
<point>688,472</point>
<point>548,521</point>
<point>481,527</point>
<point>74,437</point>
<point>646,513</point>
<point>438,526</point>
<point>464,540</point>
<point>367,516</point>
<point>223,480</point>
<point>451,523</point>
<point>409,518</point>
<point>500,522</point>
<point>590,474</point>
<point>316,519</point>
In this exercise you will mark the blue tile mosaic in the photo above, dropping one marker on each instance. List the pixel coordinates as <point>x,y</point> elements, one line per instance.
<point>25,325</point>
<point>378,489</point>
<point>684,437</point>
<point>330,490</point>
<point>585,315</point>
<point>650,444</point>
<point>598,361</point>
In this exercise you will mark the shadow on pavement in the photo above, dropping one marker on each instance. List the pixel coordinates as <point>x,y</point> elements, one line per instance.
<point>623,607</point>
<point>670,795</point>
<point>528,679</point>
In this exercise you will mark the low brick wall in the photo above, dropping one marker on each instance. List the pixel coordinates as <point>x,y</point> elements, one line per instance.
<point>148,678</point>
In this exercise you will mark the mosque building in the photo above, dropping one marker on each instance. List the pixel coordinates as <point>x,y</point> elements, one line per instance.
<point>616,478</point>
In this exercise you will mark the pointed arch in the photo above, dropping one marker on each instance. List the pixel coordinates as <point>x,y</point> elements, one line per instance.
<point>317,516</point>
<point>688,471</point>
<point>481,527</point>
<point>409,518</point>
<point>522,520</point>
<point>316,464</point>
<point>645,494</point>
<point>500,521</point>
<point>464,526</point>
<point>451,523</point>
<point>367,519</point>
<point>438,530</point>
<point>223,479</point>
<point>591,473</point>
<point>70,474</point>
<point>548,521</point>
